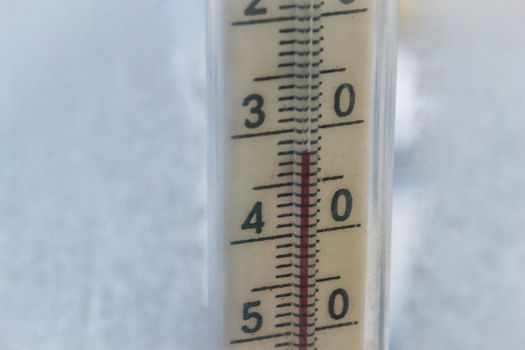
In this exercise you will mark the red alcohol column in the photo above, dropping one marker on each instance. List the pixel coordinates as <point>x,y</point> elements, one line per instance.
<point>306,253</point>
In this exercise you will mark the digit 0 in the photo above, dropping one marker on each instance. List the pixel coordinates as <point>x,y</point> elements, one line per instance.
<point>344,109</point>
<point>338,313</point>
<point>346,196</point>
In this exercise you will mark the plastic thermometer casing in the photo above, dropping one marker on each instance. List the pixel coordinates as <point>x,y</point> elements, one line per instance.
<point>301,120</point>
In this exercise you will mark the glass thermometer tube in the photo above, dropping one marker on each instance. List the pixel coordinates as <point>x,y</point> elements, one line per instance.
<point>300,171</point>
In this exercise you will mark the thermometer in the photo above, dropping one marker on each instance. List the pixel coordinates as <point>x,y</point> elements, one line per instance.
<point>300,171</point>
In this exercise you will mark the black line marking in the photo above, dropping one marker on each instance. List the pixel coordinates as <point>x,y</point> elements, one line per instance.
<point>263,20</point>
<point>282,246</point>
<point>308,276</point>
<point>300,87</point>
<point>286,174</point>
<point>326,279</point>
<point>264,337</point>
<point>305,314</point>
<point>285,153</point>
<point>336,326</point>
<point>299,42</point>
<point>299,30</point>
<point>286,163</point>
<point>276,19</point>
<point>275,286</point>
<point>264,133</point>
<point>335,125</point>
<point>335,70</point>
<point>268,187</point>
<point>331,178</point>
<point>262,239</point>
<point>309,215</point>
<point>285,142</point>
<point>279,306</point>
<point>284,295</point>
<point>300,121</point>
<point>299,64</point>
<point>300,7</point>
<point>299,98</point>
<point>346,12</point>
<point>302,324</point>
<point>307,225</point>
<point>282,266</point>
<point>301,54</point>
<point>337,228</point>
<point>274,77</point>
<point>286,120</point>
<point>290,109</point>
<point>286,87</point>
<point>289,76</point>
<point>280,325</point>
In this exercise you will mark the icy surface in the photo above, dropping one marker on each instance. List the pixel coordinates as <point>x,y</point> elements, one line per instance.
<point>102,173</point>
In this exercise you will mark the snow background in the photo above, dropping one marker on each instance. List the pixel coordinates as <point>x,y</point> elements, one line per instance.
<point>459,249</point>
<point>102,183</point>
<point>102,197</point>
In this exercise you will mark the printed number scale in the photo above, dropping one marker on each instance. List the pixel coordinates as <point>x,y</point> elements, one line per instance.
<point>299,80</point>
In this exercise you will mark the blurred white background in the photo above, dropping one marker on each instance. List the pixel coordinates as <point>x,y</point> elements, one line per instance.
<point>102,197</point>
<point>459,209</point>
<point>102,153</point>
